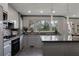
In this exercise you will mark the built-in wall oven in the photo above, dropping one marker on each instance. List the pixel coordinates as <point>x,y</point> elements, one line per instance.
<point>15,46</point>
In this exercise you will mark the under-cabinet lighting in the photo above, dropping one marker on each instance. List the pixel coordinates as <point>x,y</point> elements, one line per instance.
<point>74,15</point>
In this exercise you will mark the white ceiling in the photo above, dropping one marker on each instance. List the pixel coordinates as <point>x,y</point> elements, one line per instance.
<point>35,8</point>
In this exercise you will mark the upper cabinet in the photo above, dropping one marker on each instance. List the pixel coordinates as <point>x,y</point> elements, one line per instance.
<point>4,6</point>
<point>13,16</point>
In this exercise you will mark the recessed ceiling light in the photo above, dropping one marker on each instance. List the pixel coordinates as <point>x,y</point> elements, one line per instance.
<point>41,11</point>
<point>74,15</point>
<point>53,11</point>
<point>29,11</point>
<point>56,21</point>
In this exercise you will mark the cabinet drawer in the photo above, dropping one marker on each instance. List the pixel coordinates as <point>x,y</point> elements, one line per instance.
<point>7,42</point>
<point>34,36</point>
<point>7,50</point>
<point>75,38</point>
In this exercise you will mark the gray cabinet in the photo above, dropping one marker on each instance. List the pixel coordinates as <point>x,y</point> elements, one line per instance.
<point>61,49</point>
<point>34,40</point>
<point>21,42</point>
<point>56,49</point>
<point>71,49</point>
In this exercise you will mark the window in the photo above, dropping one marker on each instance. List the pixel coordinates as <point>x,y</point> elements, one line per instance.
<point>45,26</point>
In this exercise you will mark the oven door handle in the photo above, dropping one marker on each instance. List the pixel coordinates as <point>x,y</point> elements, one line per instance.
<point>15,42</point>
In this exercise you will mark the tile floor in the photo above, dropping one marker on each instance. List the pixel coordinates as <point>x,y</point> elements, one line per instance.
<point>30,52</point>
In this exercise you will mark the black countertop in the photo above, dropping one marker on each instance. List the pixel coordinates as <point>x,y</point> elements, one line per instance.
<point>42,33</point>
<point>59,41</point>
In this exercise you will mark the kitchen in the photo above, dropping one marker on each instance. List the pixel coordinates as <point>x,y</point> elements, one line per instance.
<point>40,29</point>
<point>10,33</point>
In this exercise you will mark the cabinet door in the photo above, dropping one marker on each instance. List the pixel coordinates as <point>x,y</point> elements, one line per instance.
<point>75,49</point>
<point>16,24</point>
<point>67,49</point>
<point>21,42</point>
<point>53,49</point>
<point>7,48</point>
<point>34,40</point>
<point>71,49</point>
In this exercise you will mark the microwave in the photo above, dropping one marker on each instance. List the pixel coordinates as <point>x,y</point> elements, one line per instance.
<point>8,24</point>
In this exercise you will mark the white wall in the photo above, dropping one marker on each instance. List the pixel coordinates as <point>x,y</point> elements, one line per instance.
<point>13,15</point>
<point>21,24</point>
<point>33,19</point>
<point>5,6</point>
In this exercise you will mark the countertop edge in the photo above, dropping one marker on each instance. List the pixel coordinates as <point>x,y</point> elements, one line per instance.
<point>58,41</point>
<point>12,38</point>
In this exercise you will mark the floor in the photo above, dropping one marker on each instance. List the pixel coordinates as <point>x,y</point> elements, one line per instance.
<point>30,52</point>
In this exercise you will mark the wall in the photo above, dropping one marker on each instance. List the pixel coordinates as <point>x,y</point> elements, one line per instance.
<point>5,6</point>
<point>13,15</point>
<point>62,28</point>
<point>33,19</point>
<point>21,25</point>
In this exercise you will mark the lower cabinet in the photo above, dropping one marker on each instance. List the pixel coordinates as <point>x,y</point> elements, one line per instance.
<point>61,49</point>
<point>53,49</point>
<point>34,40</point>
<point>7,48</point>
<point>11,48</point>
<point>71,49</point>
<point>21,42</point>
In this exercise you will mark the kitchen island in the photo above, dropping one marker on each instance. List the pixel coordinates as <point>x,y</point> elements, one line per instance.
<point>55,44</point>
<point>60,48</point>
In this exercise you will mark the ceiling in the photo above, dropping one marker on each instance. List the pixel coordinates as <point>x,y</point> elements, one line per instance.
<point>71,9</point>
